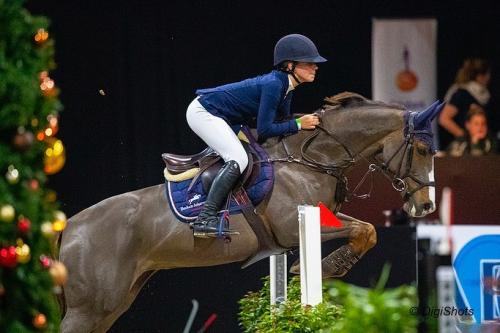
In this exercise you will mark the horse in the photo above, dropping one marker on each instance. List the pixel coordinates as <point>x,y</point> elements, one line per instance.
<point>113,247</point>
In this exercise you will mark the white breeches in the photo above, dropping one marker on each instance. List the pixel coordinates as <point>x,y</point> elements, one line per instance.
<point>216,133</point>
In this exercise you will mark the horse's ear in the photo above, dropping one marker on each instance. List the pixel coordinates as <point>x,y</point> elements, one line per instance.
<point>428,114</point>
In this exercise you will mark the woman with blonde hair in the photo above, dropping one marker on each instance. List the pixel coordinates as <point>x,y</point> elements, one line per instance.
<point>470,91</point>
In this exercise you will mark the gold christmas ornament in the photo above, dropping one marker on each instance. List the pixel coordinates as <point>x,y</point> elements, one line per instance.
<point>7,213</point>
<point>59,273</point>
<point>59,221</point>
<point>39,321</point>
<point>41,36</point>
<point>55,156</point>
<point>23,252</point>
<point>12,175</point>
<point>34,122</point>
<point>50,196</point>
<point>59,215</point>
<point>47,230</point>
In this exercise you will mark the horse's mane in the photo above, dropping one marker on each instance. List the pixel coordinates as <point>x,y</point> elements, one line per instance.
<point>350,99</point>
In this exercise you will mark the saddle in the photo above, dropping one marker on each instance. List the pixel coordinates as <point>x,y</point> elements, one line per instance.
<point>206,164</point>
<point>189,178</point>
<point>180,163</point>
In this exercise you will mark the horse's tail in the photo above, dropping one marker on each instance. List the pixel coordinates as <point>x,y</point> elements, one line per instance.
<point>62,302</point>
<point>55,255</point>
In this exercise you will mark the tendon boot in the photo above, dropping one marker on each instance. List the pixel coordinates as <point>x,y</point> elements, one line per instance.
<point>207,221</point>
<point>339,262</point>
<point>336,264</point>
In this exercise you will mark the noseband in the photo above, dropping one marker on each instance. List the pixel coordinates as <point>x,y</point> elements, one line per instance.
<point>398,179</point>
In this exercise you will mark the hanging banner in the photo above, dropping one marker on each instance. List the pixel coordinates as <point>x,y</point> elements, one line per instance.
<point>404,61</point>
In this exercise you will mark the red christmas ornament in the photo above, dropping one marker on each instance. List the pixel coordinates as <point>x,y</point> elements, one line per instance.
<point>34,184</point>
<point>8,257</point>
<point>40,321</point>
<point>24,225</point>
<point>45,261</point>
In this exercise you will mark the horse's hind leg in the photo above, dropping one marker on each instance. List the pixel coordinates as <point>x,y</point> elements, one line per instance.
<point>361,237</point>
<point>108,322</point>
<point>78,320</point>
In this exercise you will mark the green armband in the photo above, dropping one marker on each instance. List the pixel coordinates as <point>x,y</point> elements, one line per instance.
<point>299,125</point>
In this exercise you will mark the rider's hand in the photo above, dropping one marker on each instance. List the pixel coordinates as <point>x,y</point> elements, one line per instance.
<point>309,121</point>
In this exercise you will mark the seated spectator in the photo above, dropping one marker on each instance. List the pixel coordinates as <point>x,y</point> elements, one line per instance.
<point>469,91</point>
<point>475,142</point>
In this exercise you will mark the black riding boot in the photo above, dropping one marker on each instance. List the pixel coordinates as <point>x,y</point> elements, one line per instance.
<point>207,221</point>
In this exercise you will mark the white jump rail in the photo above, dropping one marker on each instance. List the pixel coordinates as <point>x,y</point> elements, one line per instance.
<point>311,284</point>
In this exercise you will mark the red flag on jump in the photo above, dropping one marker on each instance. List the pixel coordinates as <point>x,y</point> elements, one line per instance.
<point>327,218</point>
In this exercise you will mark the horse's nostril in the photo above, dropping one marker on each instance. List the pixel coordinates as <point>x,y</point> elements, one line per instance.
<point>427,206</point>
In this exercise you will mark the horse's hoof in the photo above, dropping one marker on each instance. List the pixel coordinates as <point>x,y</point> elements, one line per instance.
<point>295,269</point>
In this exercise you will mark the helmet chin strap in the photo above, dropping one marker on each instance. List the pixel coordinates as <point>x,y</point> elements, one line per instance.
<point>292,72</point>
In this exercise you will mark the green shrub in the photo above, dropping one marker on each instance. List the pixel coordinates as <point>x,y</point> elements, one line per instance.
<point>345,308</point>
<point>258,316</point>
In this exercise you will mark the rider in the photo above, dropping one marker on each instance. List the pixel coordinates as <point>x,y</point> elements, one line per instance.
<point>215,111</point>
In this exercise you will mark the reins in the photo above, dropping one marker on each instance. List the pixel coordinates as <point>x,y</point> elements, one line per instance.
<point>397,180</point>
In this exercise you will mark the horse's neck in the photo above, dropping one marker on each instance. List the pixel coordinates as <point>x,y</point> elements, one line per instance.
<point>358,129</point>
<point>362,128</point>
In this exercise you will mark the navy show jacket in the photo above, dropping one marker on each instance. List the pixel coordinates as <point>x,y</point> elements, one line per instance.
<point>261,98</point>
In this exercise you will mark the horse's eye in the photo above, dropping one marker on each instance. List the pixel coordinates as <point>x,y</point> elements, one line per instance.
<point>422,150</point>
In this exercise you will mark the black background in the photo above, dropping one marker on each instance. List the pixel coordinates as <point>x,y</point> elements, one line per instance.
<point>150,56</point>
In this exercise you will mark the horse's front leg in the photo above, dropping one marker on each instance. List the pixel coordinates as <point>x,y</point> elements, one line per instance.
<point>361,237</point>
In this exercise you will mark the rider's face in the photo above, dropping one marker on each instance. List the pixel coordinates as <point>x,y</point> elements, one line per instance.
<point>306,71</point>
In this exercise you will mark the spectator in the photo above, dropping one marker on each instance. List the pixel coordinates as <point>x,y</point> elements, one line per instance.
<point>476,141</point>
<point>470,91</point>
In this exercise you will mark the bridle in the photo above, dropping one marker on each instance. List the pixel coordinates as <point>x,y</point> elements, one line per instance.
<point>398,179</point>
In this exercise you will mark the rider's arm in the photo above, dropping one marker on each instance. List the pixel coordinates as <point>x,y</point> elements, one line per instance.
<point>271,95</point>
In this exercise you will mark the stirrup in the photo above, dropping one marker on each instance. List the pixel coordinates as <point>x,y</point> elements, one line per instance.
<point>210,233</point>
<point>201,229</point>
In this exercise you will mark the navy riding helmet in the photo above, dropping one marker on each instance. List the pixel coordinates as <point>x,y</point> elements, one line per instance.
<point>297,48</point>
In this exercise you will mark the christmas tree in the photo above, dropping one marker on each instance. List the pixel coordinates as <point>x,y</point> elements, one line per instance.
<point>29,151</point>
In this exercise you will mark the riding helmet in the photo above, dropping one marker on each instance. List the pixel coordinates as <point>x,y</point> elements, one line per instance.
<point>296,47</point>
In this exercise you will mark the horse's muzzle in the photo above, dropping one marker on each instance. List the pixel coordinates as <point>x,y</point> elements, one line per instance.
<point>419,210</point>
